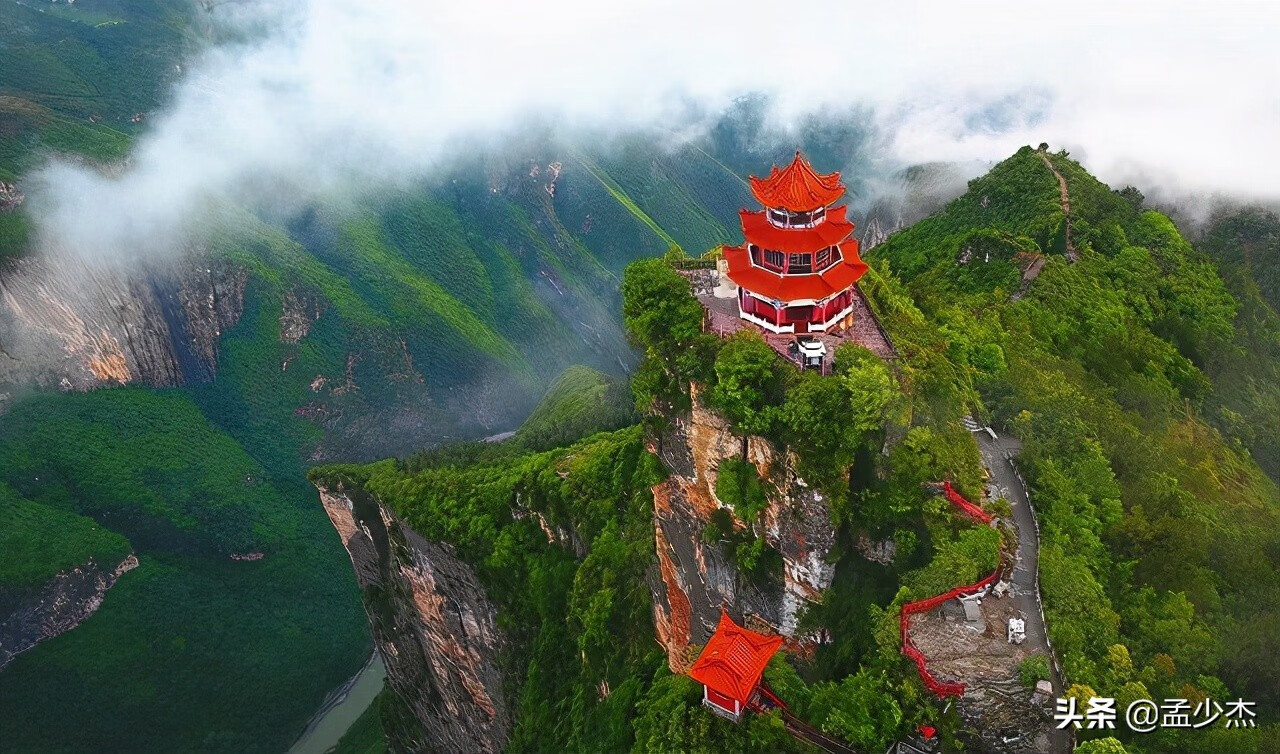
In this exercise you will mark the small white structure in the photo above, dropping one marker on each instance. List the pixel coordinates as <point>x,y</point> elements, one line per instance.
<point>725,288</point>
<point>1017,630</point>
<point>811,352</point>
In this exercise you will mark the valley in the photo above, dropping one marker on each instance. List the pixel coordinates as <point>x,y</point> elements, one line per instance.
<point>498,419</point>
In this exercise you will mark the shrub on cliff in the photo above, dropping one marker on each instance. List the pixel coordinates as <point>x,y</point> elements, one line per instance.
<point>749,386</point>
<point>664,321</point>
<point>739,484</point>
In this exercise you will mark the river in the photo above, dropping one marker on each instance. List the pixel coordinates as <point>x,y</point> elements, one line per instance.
<point>341,708</point>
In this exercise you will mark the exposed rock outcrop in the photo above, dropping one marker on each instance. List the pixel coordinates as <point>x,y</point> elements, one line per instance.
<point>299,311</point>
<point>74,324</point>
<point>432,623</point>
<point>10,197</point>
<point>696,578</point>
<point>61,604</point>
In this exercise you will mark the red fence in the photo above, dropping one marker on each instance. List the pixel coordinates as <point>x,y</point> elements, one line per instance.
<point>941,688</point>
<point>944,688</point>
<point>970,510</point>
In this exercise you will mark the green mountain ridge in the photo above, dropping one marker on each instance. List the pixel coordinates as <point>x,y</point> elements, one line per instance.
<point>445,311</point>
<point>1157,524</point>
<point>1144,380</point>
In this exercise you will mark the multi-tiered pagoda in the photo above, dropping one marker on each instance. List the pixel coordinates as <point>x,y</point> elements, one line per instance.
<point>797,271</point>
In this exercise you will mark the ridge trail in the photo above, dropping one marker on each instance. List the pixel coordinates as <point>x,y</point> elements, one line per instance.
<point>1064,197</point>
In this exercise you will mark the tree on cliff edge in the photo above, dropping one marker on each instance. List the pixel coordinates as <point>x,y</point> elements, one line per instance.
<point>663,319</point>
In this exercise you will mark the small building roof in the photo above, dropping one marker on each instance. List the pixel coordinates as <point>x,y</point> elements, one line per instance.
<point>797,187</point>
<point>733,659</point>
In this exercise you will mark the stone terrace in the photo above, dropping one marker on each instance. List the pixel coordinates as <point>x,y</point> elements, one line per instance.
<point>723,320</point>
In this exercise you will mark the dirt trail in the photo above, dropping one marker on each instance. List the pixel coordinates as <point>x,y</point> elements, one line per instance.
<point>1065,198</point>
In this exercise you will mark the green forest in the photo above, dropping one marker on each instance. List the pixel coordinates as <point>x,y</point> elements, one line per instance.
<point>1140,369</point>
<point>1129,369</point>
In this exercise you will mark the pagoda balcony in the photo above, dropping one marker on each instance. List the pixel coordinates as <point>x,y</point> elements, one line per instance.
<point>793,263</point>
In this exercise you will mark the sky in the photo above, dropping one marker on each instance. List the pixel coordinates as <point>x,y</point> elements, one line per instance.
<point>1179,96</point>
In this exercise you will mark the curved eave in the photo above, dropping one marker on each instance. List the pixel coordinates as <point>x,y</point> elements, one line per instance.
<point>815,287</point>
<point>758,230</point>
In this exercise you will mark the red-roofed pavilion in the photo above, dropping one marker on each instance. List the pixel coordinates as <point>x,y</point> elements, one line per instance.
<point>797,269</point>
<point>730,666</point>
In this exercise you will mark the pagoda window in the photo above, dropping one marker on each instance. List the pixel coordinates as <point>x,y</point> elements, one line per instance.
<point>799,313</point>
<point>774,260</point>
<point>784,219</point>
<point>827,257</point>
<point>800,264</point>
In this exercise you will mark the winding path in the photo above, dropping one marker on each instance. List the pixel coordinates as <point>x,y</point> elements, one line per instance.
<point>997,456</point>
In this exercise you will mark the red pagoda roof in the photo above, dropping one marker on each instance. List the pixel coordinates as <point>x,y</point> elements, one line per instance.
<point>797,187</point>
<point>778,287</point>
<point>734,659</point>
<point>759,231</point>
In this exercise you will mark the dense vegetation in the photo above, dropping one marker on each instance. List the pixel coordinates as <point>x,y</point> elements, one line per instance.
<point>1158,530</point>
<point>575,623</point>
<point>40,541</point>
<point>190,629</point>
<point>1246,375</point>
<point>857,687</point>
<point>1158,527</point>
<point>1144,380</point>
<point>446,309</point>
<point>72,78</point>
<point>581,401</point>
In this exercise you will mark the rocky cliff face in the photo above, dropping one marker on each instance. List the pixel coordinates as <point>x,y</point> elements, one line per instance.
<point>437,630</point>
<point>697,578</point>
<point>75,324</point>
<point>433,625</point>
<point>61,604</point>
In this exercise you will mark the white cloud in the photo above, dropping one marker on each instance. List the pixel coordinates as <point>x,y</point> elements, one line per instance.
<point>1188,91</point>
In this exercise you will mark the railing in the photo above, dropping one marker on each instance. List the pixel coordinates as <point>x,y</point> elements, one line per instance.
<point>945,688</point>
<point>971,510</point>
<point>693,263</point>
<point>940,688</point>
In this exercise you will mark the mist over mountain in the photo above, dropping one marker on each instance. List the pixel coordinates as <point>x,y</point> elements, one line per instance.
<point>293,100</point>
<point>244,244</point>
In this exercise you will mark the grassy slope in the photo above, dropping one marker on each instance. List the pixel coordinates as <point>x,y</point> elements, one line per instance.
<point>580,402</point>
<point>39,541</point>
<point>191,641</point>
<point>60,66</point>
